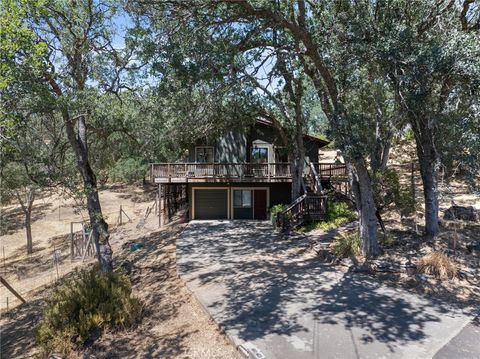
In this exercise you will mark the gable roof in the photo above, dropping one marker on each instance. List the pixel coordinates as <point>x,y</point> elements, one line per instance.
<point>267,122</point>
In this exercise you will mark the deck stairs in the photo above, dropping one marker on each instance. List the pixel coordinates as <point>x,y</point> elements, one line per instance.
<point>311,206</point>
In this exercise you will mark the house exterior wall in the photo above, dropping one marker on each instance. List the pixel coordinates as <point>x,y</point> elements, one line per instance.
<point>235,146</point>
<point>311,149</point>
<point>279,193</point>
<point>229,148</point>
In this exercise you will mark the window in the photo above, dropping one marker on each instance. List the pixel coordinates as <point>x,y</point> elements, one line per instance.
<point>242,198</point>
<point>204,154</point>
<point>260,154</point>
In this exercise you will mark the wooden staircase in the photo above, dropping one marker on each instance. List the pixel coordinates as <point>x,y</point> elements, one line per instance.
<point>311,206</point>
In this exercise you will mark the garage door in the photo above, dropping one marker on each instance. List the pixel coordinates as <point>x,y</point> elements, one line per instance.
<point>211,204</point>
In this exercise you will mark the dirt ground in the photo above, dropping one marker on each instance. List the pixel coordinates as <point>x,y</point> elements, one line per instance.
<point>404,244</point>
<point>52,216</point>
<point>173,324</point>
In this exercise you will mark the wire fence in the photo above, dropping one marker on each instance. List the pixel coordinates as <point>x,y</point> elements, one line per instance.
<point>56,256</point>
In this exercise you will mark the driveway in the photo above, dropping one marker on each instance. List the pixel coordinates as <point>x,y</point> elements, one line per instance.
<point>276,300</point>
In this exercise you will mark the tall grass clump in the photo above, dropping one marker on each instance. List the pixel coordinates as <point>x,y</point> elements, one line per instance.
<point>89,301</point>
<point>438,265</point>
<point>347,246</point>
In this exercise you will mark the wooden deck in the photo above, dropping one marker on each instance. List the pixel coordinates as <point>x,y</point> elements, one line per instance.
<point>236,172</point>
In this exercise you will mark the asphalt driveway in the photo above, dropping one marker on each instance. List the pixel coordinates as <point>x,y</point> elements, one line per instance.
<point>275,300</point>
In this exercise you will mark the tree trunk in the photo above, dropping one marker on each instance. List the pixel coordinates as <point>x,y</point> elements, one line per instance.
<point>99,226</point>
<point>298,164</point>
<point>27,211</point>
<point>381,150</point>
<point>363,197</point>
<point>428,170</point>
<point>429,164</point>
<point>28,229</point>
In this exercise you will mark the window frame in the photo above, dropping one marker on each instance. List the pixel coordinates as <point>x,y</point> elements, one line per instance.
<point>260,147</point>
<point>250,205</point>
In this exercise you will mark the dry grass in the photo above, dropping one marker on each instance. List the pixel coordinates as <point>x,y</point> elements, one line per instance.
<point>174,324</point>
<point>437,264</point>
<point>347,245</point>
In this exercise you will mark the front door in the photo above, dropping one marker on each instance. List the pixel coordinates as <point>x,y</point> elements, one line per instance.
<point>260,204</point>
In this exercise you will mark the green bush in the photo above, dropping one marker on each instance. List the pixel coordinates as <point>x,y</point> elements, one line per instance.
<point>406,204</point>
<point>389,193</point>
<point>277,208</point>
<point>347,245</point>
<point>385,239</point>
<point>89,301</point>
<point>338,214</point>
<point>128,170</point>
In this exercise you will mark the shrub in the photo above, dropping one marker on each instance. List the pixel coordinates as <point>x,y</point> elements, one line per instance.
<point>128,170</point>
<point>406,203</point>
<point>437,264</point>
<point>385,239</point>
<point>347,245</point>
<point>388,192</point>
<point>277,208</point>
<point>338,214</point>
<point>90,301</point>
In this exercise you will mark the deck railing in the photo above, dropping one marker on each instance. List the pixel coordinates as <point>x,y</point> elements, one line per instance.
<point>237,170</point>
<point>220,170</point>
<point>329,170</point>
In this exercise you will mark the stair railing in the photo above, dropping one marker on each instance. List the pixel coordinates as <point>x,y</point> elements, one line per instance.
<point>304,208</point>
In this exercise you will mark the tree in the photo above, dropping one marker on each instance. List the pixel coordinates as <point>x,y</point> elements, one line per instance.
<point>432,61</point>
<point>34,161</point>
<point>78,37</point>
<point>328,56</point>
<point>15,184</point>
<point>285,104</point>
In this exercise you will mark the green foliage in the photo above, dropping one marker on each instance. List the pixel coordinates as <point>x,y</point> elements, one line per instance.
<point>338,214</point>
<point>385,239</point>
<point>19,48</point>
<point>128,170</point>
<point>347,246</point>
<point>277,208</point>
<point>92,300</point>
<point>388,192</point>
<point>409,136</point>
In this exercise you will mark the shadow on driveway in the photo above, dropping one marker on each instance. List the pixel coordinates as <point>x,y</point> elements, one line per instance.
<point>274,294</point>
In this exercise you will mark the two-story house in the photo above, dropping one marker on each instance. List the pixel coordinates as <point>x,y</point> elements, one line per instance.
<point>240,175</point>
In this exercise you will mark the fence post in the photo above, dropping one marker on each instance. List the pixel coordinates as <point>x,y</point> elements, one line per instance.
<point>55,259</point>
<point>72,250</point>
<point>120,215</point>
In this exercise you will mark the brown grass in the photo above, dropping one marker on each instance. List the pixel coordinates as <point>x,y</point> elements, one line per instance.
<point>437,264</point>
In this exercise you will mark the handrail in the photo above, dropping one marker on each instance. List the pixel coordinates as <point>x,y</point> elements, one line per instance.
<point>304,208</point>
<point>294,203</point>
